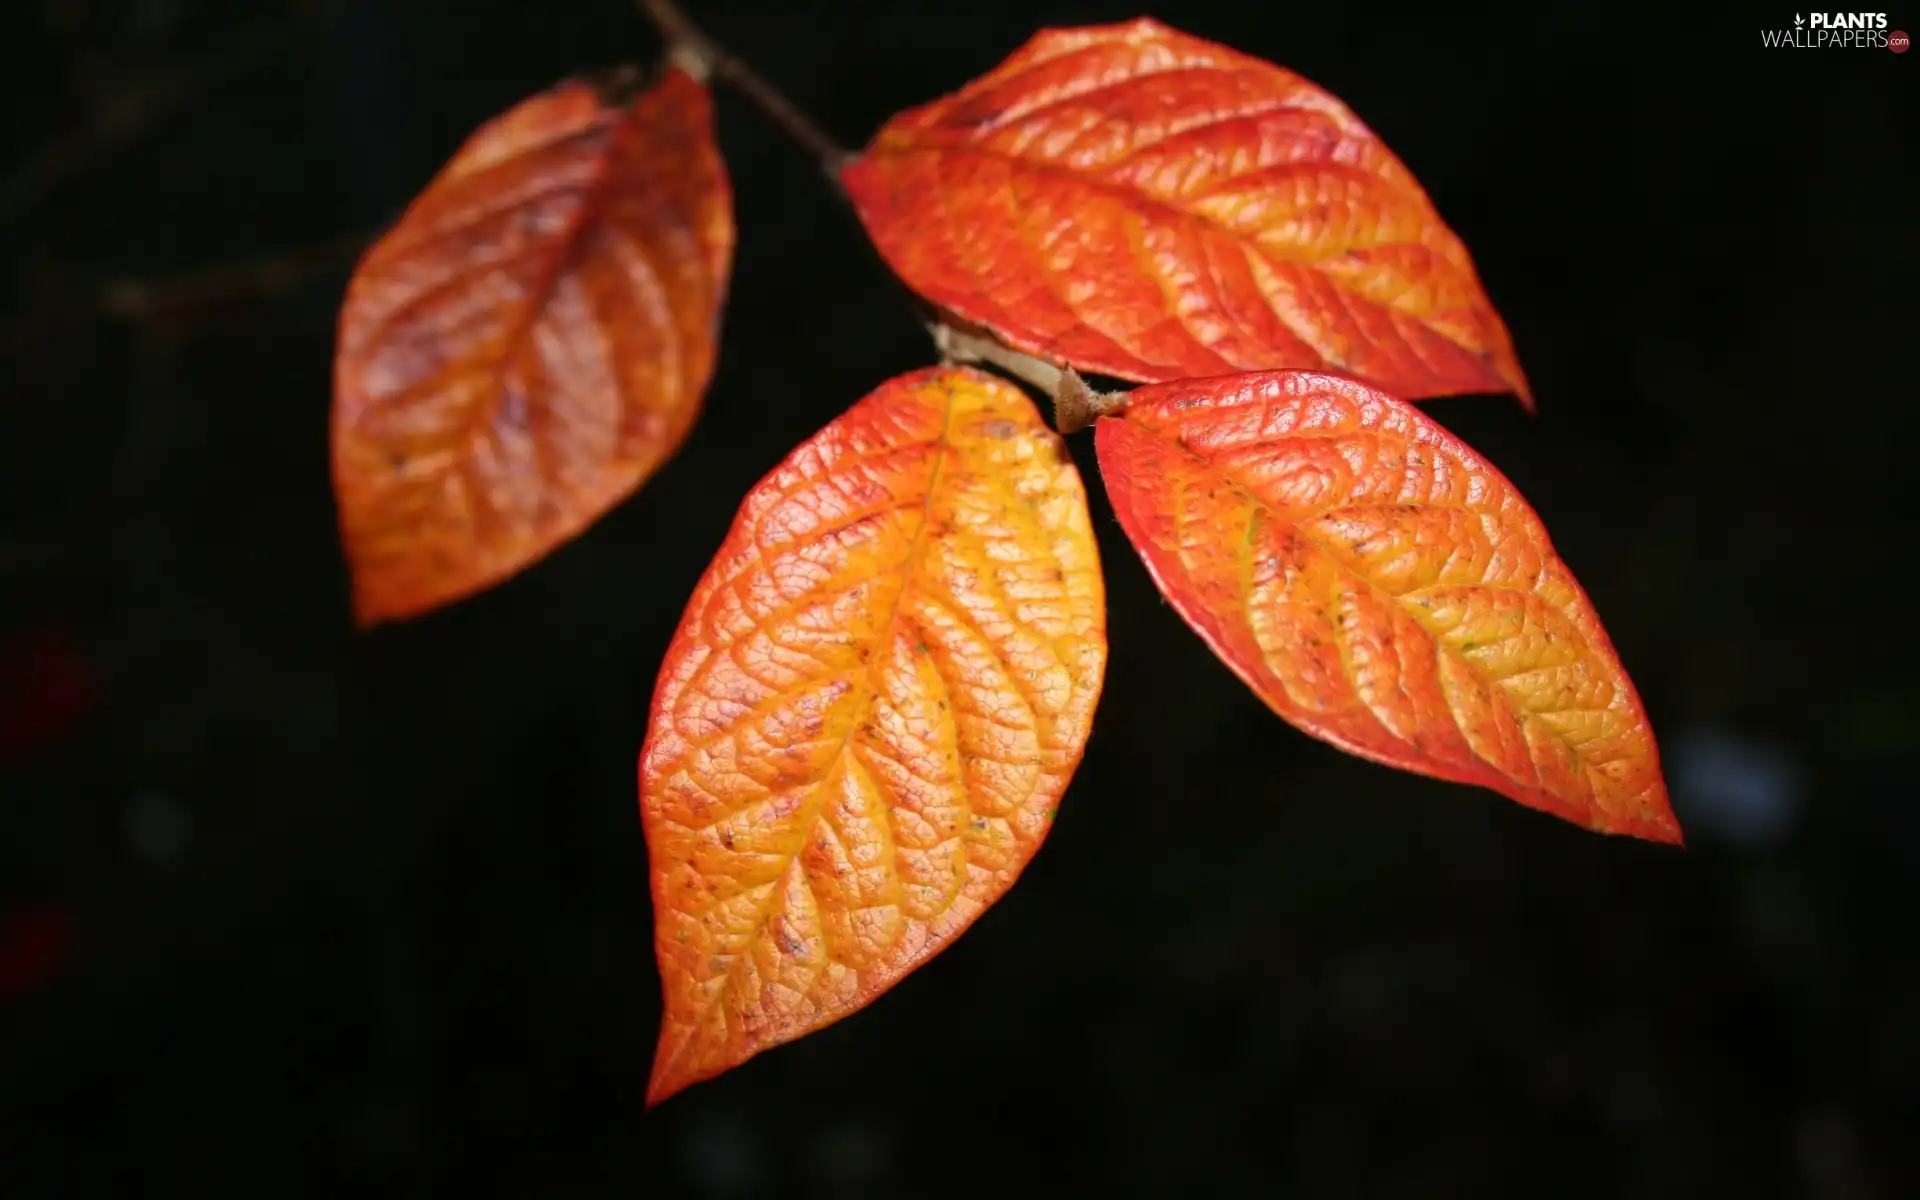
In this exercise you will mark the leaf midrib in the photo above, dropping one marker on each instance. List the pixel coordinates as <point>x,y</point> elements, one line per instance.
<point>809,813</point>
<point>1137,200</point>
<point>1295,524</point>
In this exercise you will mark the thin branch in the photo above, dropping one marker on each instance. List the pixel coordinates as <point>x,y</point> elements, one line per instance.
<point>143,300</point>
<point>701,56</point>
<point>142,107</point>
<point>958,345</point>
<point>1075,405</point>
<point>136,299</point>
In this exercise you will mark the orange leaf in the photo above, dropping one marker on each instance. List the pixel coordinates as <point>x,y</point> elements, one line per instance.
<point>1130,200</point>
<point>530,342</point>
<point>1383,588</point>
<point>866,719</point>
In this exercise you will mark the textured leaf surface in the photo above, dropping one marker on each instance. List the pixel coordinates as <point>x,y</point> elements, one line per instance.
<point>1383,588</point>
<point>1130,200</point>
<point>530,342</point>
<point>869,712</point>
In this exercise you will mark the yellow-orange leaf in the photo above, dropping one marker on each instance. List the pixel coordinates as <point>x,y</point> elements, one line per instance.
<point>530,342</point>
<point>1131,200</point>
<point>1383,588</point>
<point>869,712</point>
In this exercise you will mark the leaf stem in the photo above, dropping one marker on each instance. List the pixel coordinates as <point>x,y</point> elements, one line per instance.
<point>1075,404</point>
<point>958,345</point>
<point>140,104</point>
<point>699,55</point>
<point>138,301</point>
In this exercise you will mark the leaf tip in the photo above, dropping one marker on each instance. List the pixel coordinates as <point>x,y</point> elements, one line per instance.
<point>666,1081</point>
<point>678,1065</point>
<point>366,613</point>
<point>1666,831</point>
<point>1508,369</point>
<point>1655,823</point>
<point>1658,822</point>
<point>375,605</point>
<point>657,1094</point>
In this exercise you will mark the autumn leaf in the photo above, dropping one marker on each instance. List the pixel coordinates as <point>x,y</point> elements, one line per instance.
<point>530,342</point>
<point>1129,200</point>
<point>867,717</point>
<point>1383,588</point>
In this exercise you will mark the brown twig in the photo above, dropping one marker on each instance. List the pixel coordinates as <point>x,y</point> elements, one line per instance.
<point>141,107</point>
<point>135,299</point>
<point>957,345</point>
<point>142,300</point>
<point>1075,404</point>
<point>701,56</point>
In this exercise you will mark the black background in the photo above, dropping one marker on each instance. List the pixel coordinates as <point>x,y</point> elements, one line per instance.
<point>369,914</point>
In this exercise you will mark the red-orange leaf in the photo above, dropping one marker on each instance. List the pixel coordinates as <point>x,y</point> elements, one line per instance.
<point>1383,588</point>
<point>530,342</point>
<point>1130,200</point>
<point>867,717</point>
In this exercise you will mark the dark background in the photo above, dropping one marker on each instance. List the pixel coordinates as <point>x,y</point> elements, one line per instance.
<point>291,911</point>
